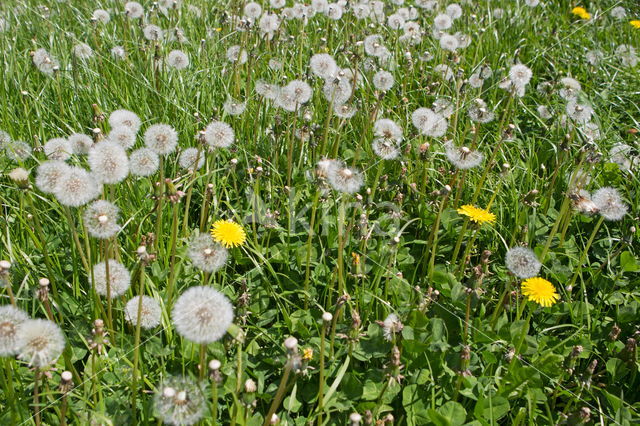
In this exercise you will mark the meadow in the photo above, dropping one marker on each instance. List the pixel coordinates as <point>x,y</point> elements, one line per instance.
<point>412,212</point>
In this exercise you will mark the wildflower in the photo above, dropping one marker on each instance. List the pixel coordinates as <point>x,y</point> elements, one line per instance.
<point>101,15</point>
<point>149,314</point>
<point>540,291</point>
<point>40,342</point>
<point>191,159</point>
<point>581,12</point>
<point>133,9</point>
<point>144,162</point>
<point>108,161</point>
<point>344,179</point>
<point>45,63</point>
<point>323,65</point>
<point>18,150</point>
<point>177,59</point>
<point>228,233</point>
<point>609,203</point>
<point>126,118</point>
<point>82,51</point>
<point>307,354</point>
<point>10,320</point>
<point>123,136</point>
<point>180,400</point>
<point>152,32</point>
<point>162,138</point>
<point>476,214</point>
<point>75,187</point>
<point>635,23</point>
<point>219,135</point>
<point>463,158</point>
<point>429,123</point>
<point>387,129</point>
<point>101,219</point>
<point>202,314</point>
<point>49,173</point>
<point>390,326</point>
<point>522,262</point>
<point>119,279</point>
<point>80,143</point>
<point>57,149</point>
<point>207,254</point>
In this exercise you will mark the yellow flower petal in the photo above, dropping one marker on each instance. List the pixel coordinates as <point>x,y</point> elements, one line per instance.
<point>477,214</point>
<point>540,291</point>
<point>228,233</point>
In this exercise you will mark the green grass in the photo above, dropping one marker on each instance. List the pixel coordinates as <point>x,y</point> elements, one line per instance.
<point>290,269</point>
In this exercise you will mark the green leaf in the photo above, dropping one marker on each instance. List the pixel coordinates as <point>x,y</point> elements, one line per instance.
<point>628,262</point>
<point>491,408</point>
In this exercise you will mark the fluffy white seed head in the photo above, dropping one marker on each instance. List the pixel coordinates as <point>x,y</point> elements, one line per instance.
<point>119,279</point>
<point>219,134</point>
<point>180,400</point>
<point>101,219</point>
<point>206,254</point>
<point>17,150</point>
<point>344,179</point>
<point>383,80</point>
<point>152,32</point>
<point>81,144</point>
<point>191,159</point>
<point>178,60</point>
<point>202,315</point>
<point>109,162</point>
<point>144,162</point>
<point>49,173</point>
<point>323,65</point>
<point>463,158</point>
<point>76,187</point>
<point>609,203</point>
<point>40,342</point>
<point>123,136</point>
<point>126,118</point>
<point>149,314</point>
<point>162,138</point>
<point>10,320</point>
<point>522,262</point>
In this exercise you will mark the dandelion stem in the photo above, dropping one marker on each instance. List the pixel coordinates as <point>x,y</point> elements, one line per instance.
<point>76,239</point>
<point>321,372</point>
<point>307,273</point>
<point>563,210</point>
<point>160,204</point>
<point>36,397</point>
<point>279,394</point>
<point>583,256</point>
<point>136,347</point>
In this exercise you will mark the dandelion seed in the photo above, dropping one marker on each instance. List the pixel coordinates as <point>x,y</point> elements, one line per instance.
<point>202,315</point>
<point>10,320</point>
<point>219,134</point>
<point>177,59</point>
<point>40,342</point>
<point>20,176</point>
<point>108,161</point>
<point>17,150</point>
<point>191,159</point>
<point>383,80</point>
<point>323,65</point>
<point>609,203</point>
<point>123,136</point>
<point>80,143</point>
<point>152,32</point>
<point>544,112</point>
<point>144,162</point>
<point>344,111</point>
<point>119,278</point>
<point>101,219</point>
<point>594,57</point>
<point>373,45</point>
<point>5,139</point>
<point>228,233</point>
<point>540,291</point>
<point>126,118</point>
<point>150,313</point>
<point>49,174</point>
<point>627,55</point>
<point>58,149</point>
<point>207,255</point>
<point>162,138</point>
<point>463,158</point>
<point>522,262</point>
<point>45,63</point>
<point>344,179</point>
<point>570,88</point>
<point>476,214</point>
<point>269,91</point>
<point>134,10</point>
<point>101,15</point>
<point>75,187</point>
<point>448,42</point>
<point>234,107</point>
<point>180,400</point>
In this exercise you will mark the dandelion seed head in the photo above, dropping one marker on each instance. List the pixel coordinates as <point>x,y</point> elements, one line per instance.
<point>580,113</point>
<point>442,22</point>
<point>345,179</point>
<point>109,162</point>
<point>385,149</point>
<point>237,54</point>
<point>337,91</point>
<point>480,112</point>
<point>101,15</point>
<point>150,313</point>
<point>162,138</point>
<point>10,320</point>
<point>58,149</point>
<point>17,150</point>
<point>82,51</point>
<point>75,187</point>
<point>390,326</point>
<point>385,128</point>
<point>383,80</point>
<point>178,60</point>
<point>268,90</point>
<point>219,134</point>
<point>522,262</point>
<point>191,159</point>
<point>49,174</point>
<point>44,62</point>
<point>118,52</point>
<point>234,107</point>
<point>126,118</point>
<point>610,203</point>
<point>202,315</point>
<point>144,162</point>
<point>206,254</point>
<point>152,32</point>
<point>520,75</point>
<point>123,136</point>
<point>134,10</point>
<point>40,342</point>
<point>81,144</point>
<point>101,219</point>
<point>463,158</point>
<point>180,400</point>
<point>119,278</point>
<point>323,65</point>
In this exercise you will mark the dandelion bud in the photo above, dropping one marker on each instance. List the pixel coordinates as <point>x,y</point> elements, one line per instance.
<point>20,176</point>
<point>569,288</point>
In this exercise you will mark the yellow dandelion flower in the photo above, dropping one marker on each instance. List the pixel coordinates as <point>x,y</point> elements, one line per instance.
<point>307,354</point>
<point>477,214</point>
<point>581,12</point>
<point>228,233</point>
<point>635,23</point>
<point>540,291</point>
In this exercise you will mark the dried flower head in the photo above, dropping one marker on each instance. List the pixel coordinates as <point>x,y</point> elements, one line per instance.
<point>207,254</point>
<point>40,342</point>
<point>118,282</point>
<point>10,320</point>
<point>150,311</point>
<point>180,400</point>
<point>202,314</point>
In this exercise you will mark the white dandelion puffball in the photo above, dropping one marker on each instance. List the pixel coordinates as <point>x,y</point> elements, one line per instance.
<point>206,254</point>
<point>191,159</point>
<point>177,59</point>
<point>76,187</point>
<point>126,118</point>
<point>219,134</point>
<point>101,15</point>
<point>152,32</point>
<point>109,162</point>
<point>58,149</point>
<point>144,162</point>
<point>18,150</point>
<point>81,144</point>
<point>49,173</point>
<point>520,75</point>
<point>123,136</point>
<point>323,65</point>
<point>522,262</point>
<point>609,203</point>
<point>162,138</point>
<point>202,315</point>
<point>149,314</point>
<point>101,219</point>
<point>463,158</point>
<point>345,179</point>
<point>180,400</point>
<point>40,342</point>
<point>383,80</point>
<point>82,51</point>
<point>134,10</point>
<point>119,278</point>
<point>10,320</point>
